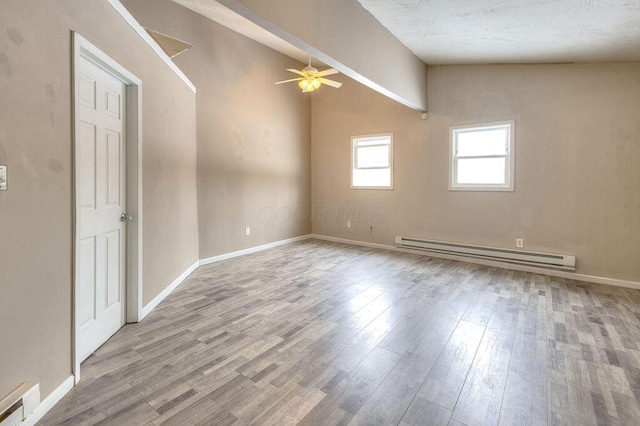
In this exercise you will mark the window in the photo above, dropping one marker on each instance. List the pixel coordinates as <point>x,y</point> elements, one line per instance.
<point>372,161</point>
<point>482,157</point>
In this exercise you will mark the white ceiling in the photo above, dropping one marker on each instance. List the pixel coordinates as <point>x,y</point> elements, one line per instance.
<point>513,31</point>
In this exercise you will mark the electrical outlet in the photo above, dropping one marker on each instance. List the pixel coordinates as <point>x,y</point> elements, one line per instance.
<point>520,242</point>
<point>349,224</point>
<point>247,231</point>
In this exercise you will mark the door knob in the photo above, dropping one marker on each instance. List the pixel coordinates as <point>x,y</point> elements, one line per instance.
<point>126,217</point>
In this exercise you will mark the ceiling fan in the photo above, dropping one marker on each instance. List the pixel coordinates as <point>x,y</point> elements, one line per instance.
<point>310,78</point>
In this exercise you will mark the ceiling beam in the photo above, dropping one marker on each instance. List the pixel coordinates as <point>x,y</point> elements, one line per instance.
<point>345,36</point>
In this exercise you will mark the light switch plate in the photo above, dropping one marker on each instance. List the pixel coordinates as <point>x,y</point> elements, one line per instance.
<point>3,178</point>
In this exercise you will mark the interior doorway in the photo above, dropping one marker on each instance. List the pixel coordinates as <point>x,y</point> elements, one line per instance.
<point>107,199</point>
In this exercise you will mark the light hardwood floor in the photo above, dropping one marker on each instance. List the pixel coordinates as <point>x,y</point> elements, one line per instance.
<point>322,333</point>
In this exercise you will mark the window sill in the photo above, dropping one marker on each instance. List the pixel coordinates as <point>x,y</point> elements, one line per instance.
<point>481,189</point>
<point>384,188</point>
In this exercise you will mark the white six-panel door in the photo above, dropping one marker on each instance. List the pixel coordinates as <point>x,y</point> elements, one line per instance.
<point>100,290</point>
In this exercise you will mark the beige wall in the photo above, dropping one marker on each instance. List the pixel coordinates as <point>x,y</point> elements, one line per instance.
<point>577,152</point>
<point>577,179</point>
<point>35,143</point>
<point>253,136</point>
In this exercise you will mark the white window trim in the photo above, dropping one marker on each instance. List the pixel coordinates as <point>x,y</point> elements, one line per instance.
<point>353,157</point>
<point>510,164</point>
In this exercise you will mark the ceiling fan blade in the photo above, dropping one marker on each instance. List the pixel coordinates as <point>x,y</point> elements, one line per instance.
<point>295,71</point>
<point>287,81</point>
<point>330,71</point>
<point>330,83</point>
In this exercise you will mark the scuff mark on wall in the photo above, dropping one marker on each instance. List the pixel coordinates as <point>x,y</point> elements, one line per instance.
<point>55,166</point>
<point>4,64</point>
<point>15,36</point>
<point>237,135</point>
<point>50,93</point>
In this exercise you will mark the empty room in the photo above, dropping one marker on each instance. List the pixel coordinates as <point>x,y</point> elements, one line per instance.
<point>319,212</point>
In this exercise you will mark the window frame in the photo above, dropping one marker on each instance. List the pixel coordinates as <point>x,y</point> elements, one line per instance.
<point>354,157</point>
<point>509,184</point>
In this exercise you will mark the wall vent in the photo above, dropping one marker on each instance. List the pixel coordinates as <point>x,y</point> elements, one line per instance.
<point>490,253</point>
<point>19,404</point>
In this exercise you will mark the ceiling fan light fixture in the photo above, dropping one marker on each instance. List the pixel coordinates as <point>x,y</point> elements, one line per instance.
<point>309,84</point>
<point>310,79</point>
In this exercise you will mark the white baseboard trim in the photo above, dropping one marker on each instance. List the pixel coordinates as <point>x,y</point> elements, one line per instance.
<point>354,242</point>
<point>48,403</point>
<point>250,250</point>
<point>159,298</point>
<point>59,393</point>
<point>68,384</point>
<point>504,265</point>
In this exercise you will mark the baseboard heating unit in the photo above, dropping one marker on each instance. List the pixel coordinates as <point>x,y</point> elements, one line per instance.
<point>19,404</point>
<point>490,253</point>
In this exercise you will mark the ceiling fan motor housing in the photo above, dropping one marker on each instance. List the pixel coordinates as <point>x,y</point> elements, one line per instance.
<point>310,79</point>
<point>309,70</point>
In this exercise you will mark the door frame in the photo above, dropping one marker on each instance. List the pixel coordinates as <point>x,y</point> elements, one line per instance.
<point>82,48</point>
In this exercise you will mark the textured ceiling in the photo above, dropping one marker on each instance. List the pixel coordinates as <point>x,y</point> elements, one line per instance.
<point>513,31</point>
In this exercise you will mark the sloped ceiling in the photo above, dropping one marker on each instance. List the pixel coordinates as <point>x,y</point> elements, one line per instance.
<point>340,33</point>
<point>228,18</point>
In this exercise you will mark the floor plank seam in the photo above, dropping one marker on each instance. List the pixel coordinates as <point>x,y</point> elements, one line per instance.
<point>319,333</point>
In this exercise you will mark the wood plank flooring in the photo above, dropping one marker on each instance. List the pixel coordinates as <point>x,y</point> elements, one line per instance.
<point>317,333</point>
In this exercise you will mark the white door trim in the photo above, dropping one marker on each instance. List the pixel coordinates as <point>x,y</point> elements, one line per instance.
<point>133,137</point>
